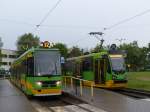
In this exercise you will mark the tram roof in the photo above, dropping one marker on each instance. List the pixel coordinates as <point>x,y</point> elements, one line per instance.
<point>89,55</point>
<point>30,51</point>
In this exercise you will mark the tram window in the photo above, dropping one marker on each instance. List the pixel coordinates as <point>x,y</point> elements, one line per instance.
<point>19,71</point>
<point>87,64</point>
<point>107,63</point>
<point>108,66</point>
<point>70,66</point>
<point>77,68</point>
<point>24,67</point>
<point>30,66</point>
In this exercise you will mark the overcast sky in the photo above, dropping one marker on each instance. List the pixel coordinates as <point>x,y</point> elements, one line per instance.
<point>72,20</point>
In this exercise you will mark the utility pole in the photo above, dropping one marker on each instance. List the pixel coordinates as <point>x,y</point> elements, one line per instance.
<point>97,34</point>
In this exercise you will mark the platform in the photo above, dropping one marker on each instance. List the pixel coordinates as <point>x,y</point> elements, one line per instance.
<point>12,100</point>
<point>112,102</point>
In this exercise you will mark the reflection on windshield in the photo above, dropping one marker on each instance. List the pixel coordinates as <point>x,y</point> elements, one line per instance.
<point>118,64</point>
<point>47,63</point>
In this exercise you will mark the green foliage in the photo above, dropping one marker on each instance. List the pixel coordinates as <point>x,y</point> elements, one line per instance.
<point>136,56</point>
<point>63,49</point>
<point>1,45</point>
<point>0,57</point>
<point>26,42</point>
<point>75,51</point>
<point>97,49</point>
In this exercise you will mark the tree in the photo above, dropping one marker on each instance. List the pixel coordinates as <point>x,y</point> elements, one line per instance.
<point>146,52</point>
<point>75,51</point>
<point>63,49</point>
<point>1,45</point>
<point>136,56</point>
<point>96,49</point>
<point>26,42</point>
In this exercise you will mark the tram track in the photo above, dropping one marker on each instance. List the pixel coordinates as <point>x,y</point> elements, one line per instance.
<point>76,104</point>
<point>62,104</point>
<point>134,93</point>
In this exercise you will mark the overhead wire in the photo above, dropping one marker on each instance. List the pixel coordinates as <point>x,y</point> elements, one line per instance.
<point>47,15</point>
<point>17,22</point>
<point>49,26</point>
<point>77,41</point>
<point>70,26</point>
<point>123,21</point>
<point>105,28</point>
<point>127,19</point>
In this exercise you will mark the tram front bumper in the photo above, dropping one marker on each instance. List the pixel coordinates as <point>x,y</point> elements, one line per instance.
<point>111,85</point>
<point>46,92</point>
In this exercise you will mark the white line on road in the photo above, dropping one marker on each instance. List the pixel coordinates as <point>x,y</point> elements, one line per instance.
<point>92,108</point>
<point>146,99</point>
<point>39,108</point>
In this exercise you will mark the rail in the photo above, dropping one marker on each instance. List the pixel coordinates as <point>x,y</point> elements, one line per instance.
<point>73,84</point>
<point>134,93</point>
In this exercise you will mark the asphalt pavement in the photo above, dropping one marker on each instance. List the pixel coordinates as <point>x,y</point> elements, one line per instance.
<point>12,99</point>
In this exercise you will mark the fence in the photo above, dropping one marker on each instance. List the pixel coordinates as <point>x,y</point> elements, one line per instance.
<point>78,87</point>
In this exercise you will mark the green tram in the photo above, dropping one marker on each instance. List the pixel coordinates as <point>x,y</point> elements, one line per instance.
<point>38,72</point>
<point>106,70</point>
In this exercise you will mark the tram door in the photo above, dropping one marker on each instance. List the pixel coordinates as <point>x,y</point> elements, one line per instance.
<point>77,74</point>
<point>100,66</point>
<point>78,70</point>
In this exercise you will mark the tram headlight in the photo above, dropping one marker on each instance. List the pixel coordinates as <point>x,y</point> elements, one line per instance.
<point>39,74</point>
<point>39,83</point>
<point>58,83</point>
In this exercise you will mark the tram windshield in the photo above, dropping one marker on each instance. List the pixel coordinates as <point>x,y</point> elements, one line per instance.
<point>118,64</point>
<point>47,63</point>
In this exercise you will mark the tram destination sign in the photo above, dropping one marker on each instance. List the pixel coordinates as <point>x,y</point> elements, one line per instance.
<point>47,44</point>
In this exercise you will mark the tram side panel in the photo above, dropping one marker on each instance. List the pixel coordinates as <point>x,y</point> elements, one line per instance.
<point>23,75</point>
<point>96,68</point>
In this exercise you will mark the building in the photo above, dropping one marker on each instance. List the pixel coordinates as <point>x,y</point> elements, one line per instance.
<point>7,58</point>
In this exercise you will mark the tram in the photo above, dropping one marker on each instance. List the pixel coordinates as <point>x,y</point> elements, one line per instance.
<point>38,72</point>
<point>106,69</point>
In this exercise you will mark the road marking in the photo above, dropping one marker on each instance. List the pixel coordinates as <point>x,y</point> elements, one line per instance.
<point>92,108</point>
<point>67,108</point>
<point>59,109</point>
<point>146,99</point>
<point>74,108</point>
<point>39,108</point>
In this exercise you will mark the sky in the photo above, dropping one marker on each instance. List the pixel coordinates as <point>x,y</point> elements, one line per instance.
<point>72,20</point>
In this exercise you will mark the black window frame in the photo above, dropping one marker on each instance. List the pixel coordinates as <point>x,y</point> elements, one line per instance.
<point>87,64</point>
<point>30,66</point>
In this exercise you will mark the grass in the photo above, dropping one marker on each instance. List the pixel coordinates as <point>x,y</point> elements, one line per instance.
<point>139,80</point>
